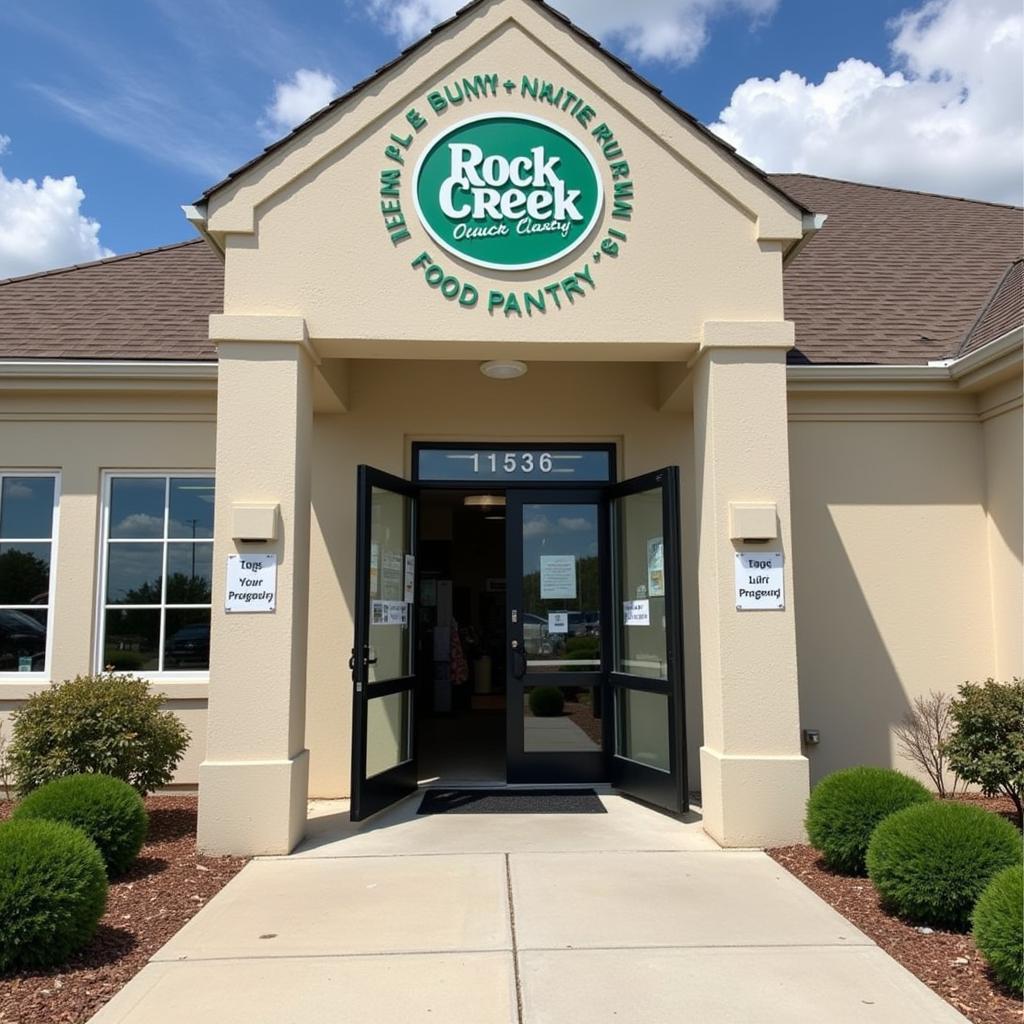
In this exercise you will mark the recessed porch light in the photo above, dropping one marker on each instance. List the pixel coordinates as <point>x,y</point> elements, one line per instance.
<point>503,369</point>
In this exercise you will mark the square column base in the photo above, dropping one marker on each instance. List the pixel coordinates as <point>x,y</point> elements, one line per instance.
<point>756,801</point>
<point>247,808</point>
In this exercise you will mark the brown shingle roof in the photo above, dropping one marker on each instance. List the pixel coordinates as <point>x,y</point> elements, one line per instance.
<point>893,276</point>
<point>1003,311</point>
<point>145,305</point>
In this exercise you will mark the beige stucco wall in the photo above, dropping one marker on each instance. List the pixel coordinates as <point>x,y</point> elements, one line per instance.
<point>907,540</point>
<point>395,403</point>
<point>1003,442</point>
<point>81,435</point>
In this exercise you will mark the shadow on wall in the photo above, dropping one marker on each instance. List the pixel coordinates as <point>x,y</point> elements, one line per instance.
<point>891,577</point>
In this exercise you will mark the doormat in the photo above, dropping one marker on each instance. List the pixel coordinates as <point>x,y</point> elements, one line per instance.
<point>511,801</point>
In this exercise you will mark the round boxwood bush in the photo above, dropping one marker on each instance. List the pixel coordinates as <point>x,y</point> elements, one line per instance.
<point>53,889</point>
<point>546,702</point>
<point>931,862</point>
<point>845,807</point>
<point>107,810</point>
<point>998,921</point>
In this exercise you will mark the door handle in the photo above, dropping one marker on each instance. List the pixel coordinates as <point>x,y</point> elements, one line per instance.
<point>518,658</point>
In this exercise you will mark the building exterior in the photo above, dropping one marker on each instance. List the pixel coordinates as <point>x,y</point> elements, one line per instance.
<point>760,484</point>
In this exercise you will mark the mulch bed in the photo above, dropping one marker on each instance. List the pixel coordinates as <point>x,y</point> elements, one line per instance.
<point>947,962</point>
<point>165,887</point>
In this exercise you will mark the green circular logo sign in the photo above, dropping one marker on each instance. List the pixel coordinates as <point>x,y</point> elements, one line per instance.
<point>507,191</point>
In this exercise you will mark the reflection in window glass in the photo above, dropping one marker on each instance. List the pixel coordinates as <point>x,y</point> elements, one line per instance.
<point>387,732</point>
<point>28,513</point>
<point>158,578</point>
<point>641,645</point>
<point>561,719</point>
<point>137,506</point>
<point>390,542</point>
<point>561,588</point>
<point>642,727</point>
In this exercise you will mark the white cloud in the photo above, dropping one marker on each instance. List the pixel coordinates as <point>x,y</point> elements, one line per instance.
<point>42,225</point>
<point>674,31</point>
<point>948,119</point>
<point>5,142</point>
<point>294,100</point>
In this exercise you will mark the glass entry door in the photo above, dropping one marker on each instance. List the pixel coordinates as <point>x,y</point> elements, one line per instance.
<point>557,559</point>
<point>645,634</point>
<point>383,658</point>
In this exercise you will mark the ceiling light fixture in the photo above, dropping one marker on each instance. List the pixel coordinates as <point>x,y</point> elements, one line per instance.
<point>485,501</point>
<point>503,369</point>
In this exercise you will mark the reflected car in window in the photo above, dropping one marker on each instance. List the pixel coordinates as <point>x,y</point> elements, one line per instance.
<point>21,637</point>
<point>189,645</point>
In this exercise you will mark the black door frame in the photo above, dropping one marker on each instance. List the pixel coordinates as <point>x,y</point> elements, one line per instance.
<point>373,794</point>
<point>669,790</point>
<point>551,767</point>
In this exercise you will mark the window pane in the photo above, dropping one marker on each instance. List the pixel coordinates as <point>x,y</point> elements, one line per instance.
<point>561,718</point>
<point>133,573</point>
<point>561,588</point>
<point>387,732</point>
<point>641,647</point>
<point>191,513</point>
<point>189,573</point>
<point>131,642</point>
<point>23,640</point>
<point>24,573</point>
<point>389,613</point>
<point>137,506</point>
<point>26,506</point>
<point>643,727</point>
<point>187,639</point>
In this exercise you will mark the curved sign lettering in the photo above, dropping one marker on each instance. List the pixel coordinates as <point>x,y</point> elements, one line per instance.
<point>507,191</point>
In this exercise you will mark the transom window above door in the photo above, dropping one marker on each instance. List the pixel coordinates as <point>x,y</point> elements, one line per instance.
<point>157,573</point>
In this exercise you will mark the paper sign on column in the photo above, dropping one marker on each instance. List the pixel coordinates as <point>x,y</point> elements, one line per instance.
<point>759,581</point>
<point>410,579</point>
<point>251,584</point>
<point>558,622</point>
<point>557,577</point>
<point>636,613</point>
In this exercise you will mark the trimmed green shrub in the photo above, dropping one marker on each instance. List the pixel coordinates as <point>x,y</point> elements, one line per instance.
<point>107,810</point>
<point>987,745</point>
<point>844,808</point>
<point>53,890</point>
<point>546,702</point>
<point>998,921</point>
<point>109,724</point>
<point>930,863</point>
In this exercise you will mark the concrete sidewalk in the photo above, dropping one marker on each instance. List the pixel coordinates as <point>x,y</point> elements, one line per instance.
<point>624,918</point>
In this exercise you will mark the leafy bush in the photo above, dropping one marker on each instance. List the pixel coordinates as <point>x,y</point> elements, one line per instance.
<point>546,702</point>
<point>930,863</point>
<point>845,807</point>
<point>999,927</point>
<point>987,746</point>
<point>109,724</point>
<point>107,810</point>
<point>53,890</point>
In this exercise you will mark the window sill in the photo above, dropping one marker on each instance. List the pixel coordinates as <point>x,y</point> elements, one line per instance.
<point>12,688</point>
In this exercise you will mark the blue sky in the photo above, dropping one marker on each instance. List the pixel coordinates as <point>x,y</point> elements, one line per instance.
<point>147,102</point>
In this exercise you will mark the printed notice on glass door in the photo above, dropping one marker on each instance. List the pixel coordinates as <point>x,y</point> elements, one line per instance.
<point>557,577</point>
<point>558,622</point>
<point>636,613</point>
<point>410,579</point>
<point>656,567</point>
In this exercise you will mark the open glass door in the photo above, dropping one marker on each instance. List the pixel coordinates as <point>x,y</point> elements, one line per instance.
<point>383,658</point>
<point>648,756</point>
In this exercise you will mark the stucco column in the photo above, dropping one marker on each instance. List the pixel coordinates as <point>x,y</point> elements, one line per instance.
<point>754,780</point>
<point>254,781</point>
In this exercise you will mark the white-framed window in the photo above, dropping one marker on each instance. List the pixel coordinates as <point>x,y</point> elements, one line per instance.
<point>28,547</point>
<point>156,576</point>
